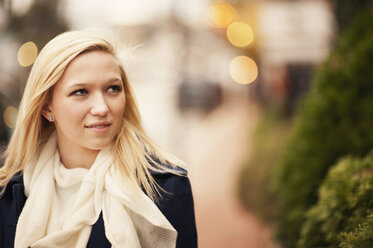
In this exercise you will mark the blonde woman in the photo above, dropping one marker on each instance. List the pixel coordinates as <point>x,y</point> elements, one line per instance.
<point>79,169</point>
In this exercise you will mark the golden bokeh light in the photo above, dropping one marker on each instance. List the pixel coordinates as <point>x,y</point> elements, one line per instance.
<point>240,34</point>
<point>221,14</point>
<point>243,70</point>
<point>27,54</point>
<point>10,116</point>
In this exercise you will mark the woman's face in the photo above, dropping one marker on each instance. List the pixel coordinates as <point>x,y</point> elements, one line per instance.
<point>88,102</point>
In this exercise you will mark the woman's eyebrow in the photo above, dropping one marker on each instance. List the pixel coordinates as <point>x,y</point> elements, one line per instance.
<point>78,85</point>
<point>112,80</point>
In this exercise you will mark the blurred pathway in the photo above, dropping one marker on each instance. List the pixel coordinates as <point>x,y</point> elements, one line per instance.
<point>216,147</point>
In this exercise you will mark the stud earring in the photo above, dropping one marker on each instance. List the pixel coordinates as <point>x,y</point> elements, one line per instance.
<point>50,118</point>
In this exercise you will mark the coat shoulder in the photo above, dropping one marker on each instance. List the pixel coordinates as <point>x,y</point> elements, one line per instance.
<point>11,203</point>
<point>16,182</point>
<point>177,205</point>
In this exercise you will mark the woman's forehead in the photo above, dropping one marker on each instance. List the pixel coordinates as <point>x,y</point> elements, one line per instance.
<point>95,65</point>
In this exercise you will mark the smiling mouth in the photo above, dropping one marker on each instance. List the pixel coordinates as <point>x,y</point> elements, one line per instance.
<point>98,126</point>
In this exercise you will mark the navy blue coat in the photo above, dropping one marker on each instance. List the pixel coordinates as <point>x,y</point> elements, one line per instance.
<point>177,207</point>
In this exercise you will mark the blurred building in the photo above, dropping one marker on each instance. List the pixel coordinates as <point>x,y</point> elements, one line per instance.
<point>294,37</point>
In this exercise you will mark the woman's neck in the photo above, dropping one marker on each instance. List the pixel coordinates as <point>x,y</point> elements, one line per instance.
<point>77,157</point>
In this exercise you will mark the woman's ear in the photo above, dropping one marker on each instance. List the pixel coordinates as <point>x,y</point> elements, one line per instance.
<point>47,113</point>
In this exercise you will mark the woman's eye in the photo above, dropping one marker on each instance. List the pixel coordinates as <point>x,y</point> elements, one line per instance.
<point>80,92</point>
<point>114,88</point>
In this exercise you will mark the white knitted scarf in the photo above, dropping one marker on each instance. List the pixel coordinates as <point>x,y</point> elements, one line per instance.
<point>131,219</point>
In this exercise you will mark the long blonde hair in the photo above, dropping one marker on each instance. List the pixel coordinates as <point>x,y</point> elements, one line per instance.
<point>133,147</point>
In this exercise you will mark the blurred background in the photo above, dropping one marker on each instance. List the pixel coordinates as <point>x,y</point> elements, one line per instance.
<point>262,99</point>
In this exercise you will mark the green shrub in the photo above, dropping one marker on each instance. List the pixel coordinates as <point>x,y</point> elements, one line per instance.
<point>335,120</point>
<point>360,237</point>
<point>343,215</point>
<point>256,177</point>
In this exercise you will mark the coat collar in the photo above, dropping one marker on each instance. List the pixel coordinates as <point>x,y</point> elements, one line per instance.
<point>18,178</point>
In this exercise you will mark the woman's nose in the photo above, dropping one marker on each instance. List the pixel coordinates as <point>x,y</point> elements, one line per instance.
<point>99,105</point>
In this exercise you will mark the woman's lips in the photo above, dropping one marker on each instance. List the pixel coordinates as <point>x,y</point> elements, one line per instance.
<point>99,126</point>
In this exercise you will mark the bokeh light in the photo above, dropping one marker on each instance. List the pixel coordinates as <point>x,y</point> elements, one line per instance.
<point>240,34</point>
<point>27,54</point>
<point>10,116</point>
<point>243,70</point>
<point>221,14</point>
<point>21,7</point>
